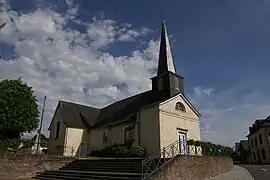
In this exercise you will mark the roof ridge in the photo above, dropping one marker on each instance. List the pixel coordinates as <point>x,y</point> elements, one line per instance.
<point>69,102</point>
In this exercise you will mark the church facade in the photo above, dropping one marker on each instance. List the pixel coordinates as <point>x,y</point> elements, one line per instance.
<point>153,119</point>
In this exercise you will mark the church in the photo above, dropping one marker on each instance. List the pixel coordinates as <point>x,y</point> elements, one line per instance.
<point>153,119</point>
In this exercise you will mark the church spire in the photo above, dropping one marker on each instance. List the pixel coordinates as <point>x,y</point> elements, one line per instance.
<point>167,83</point>
<point>165,62</point>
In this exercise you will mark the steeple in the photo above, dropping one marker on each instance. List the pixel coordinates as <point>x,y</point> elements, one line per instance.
<point>165,62</point>
<point>167,83</point>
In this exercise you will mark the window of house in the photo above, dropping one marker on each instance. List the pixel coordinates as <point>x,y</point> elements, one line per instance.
<point>160,83</point>
<point>252,143</point>
<point>256,141</point>
<point>263,154</point>
<point>129,134</point>
<point>260,138</point>
<point>254,155</point>
<point>57,133</point>
<point>179,106</point>
<point>258,156</point>
<point>268,137</point>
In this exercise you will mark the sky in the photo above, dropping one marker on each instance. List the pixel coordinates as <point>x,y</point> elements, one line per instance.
<point>98,52</point>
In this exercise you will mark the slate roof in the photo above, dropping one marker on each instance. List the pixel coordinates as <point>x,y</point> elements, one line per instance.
<point>81,116</point>
<point>258,124</point>
<point>77,115</point>
<point>122,108</point>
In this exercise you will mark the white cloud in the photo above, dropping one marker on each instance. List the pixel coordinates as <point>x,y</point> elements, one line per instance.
<point>66,64</point>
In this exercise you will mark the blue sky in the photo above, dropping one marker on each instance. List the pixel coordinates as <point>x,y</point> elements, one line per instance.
<point>220,47</point>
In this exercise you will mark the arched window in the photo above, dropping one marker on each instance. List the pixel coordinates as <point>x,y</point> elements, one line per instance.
<point>57,130</point>
<point>180,107</point>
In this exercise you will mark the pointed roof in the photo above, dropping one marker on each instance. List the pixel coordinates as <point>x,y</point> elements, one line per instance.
<point>165,62</point>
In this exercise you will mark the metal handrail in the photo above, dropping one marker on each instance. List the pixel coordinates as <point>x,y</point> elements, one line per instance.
<point>169,154</point>
<point>150,157</point>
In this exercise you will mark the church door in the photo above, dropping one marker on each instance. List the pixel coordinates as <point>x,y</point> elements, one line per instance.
<point>183,143</point>
<point>82,149</point>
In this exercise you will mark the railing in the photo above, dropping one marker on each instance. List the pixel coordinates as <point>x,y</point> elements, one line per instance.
<point>153,163</point>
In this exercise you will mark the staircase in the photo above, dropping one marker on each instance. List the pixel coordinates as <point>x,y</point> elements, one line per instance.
<point>113,169</point>
<point>100,169</point>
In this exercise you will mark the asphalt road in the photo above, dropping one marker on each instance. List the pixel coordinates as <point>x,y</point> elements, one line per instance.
<point>256,172</point>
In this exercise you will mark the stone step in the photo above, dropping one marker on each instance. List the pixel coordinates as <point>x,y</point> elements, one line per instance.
<point>87,175</point>
<point>109,170</point>
<point>71,172</point>
<point>107,165</point>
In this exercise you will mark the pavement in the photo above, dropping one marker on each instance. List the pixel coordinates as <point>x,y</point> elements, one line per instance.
<point>237,173</point>
<point>258,172</point>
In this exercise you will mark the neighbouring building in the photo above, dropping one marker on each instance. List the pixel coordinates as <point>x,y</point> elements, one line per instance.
<point>242,148</point>
<point>259,140</point>
<point>153,119</point>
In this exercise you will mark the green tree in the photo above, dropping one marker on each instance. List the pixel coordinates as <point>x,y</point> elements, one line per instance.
<point>18,109</point>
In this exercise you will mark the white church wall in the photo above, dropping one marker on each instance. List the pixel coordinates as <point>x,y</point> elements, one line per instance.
<point>74,138</point>
<point>171,120</point>
<point>149,129</point>
<point>114,135</point>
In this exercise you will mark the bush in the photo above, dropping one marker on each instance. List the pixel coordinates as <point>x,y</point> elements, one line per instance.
<point>137,151</point>
<point>9,143</point>
<point>120,151</point>
<point>190,142</point>
<point>197,143</point>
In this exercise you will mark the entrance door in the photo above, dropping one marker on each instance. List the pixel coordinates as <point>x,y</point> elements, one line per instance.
<point>83,149</point>
<point>183,142</point>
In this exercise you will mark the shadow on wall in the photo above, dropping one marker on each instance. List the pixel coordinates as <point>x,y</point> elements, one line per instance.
<point>194,168</point>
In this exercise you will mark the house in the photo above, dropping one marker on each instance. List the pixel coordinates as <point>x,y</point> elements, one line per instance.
<point>153,119</point>
<point>259,140</point>
<point>242,148</point>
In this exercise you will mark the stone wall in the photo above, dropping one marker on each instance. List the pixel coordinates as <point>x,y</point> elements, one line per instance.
<point>193,168</point>
<point>25,168</point>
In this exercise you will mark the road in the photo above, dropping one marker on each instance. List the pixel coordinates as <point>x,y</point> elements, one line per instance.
<point>256,172</point>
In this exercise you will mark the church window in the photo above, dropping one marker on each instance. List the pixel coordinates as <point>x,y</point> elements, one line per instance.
<point>160,83</point>
<point>57,133</point>
<point>128,134</point>
<point>105,137</point>
<point>179,106</point>
<point>176,83</point>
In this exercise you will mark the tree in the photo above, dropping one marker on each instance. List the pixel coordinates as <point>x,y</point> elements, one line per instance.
<point>18,109</point>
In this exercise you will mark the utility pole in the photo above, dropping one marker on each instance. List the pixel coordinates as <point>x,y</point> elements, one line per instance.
<point>40,127</point>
